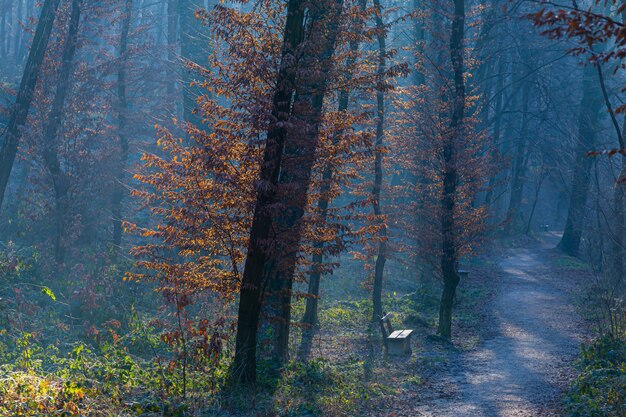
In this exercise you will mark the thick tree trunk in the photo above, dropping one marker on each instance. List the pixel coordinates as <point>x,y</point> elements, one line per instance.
<point>285,176</point>
<point>254,279</point>
<point>590,105</point>
<point>19,112</point>
<point>381,257</point>
<point>51,131</point>
<point>122,107</point>
<point>300,151</point>
<point>448,199</point>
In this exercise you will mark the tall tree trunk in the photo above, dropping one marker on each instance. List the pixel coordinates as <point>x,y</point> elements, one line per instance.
<point>255,270</point>
<point>51,131</point>
<point>381,257</point>
<point>285,176</point>
<point>19,112</point>
<point>122,107</point>
<point>588,119</point>
<point>448,200</point>
<point>513,217</point>
<point>300,151</point>
<point>310,312</point>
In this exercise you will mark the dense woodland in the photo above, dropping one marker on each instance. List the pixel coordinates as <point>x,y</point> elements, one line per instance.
<point>206,207</point>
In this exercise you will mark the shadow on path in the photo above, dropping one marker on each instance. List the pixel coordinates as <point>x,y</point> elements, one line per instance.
<point>523,370</point>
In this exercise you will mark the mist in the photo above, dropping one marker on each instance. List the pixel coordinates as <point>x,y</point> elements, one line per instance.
<point>312,208</point>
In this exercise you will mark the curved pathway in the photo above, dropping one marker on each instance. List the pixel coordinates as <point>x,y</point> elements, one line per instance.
<point>522,370</point>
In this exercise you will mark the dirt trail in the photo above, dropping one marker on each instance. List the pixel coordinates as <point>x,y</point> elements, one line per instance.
<point>524,368</point>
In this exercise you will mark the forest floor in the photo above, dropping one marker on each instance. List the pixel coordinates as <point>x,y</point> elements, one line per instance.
<point>518,324</point>
<point>530,336</point>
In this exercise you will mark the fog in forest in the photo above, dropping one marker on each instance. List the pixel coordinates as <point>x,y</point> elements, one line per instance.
<point>312,208</point>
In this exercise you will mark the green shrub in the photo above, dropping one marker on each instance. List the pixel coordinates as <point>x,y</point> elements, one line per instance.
<point>600,389</point>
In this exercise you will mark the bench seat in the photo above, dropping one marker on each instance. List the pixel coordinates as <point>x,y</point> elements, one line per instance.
<point>397,342</point>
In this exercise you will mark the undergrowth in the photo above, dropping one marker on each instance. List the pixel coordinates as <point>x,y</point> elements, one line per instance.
<point>600,388</point>
<point>88,344</point>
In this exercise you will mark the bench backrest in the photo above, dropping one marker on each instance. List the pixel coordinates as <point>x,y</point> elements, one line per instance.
<point>385,325</point>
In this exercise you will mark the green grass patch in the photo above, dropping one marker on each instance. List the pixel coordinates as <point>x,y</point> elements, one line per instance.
<point>569,262</point>
<point>319,388</point>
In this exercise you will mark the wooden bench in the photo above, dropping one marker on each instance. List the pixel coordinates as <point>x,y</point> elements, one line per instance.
<point>397,342</point>
<point>463,273</point>
<point>545,227</point>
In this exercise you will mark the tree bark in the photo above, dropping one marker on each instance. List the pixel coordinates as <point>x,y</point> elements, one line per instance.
<point>448,200</point>
<point>300,152</point>
<point>381,257</point>
<point>285,177</point>
<point>122,107</point>
<point>254,278</point>
<point>51,130</point>
<point>19,112</point>
<point>310,312</point>
<point>587,127</point>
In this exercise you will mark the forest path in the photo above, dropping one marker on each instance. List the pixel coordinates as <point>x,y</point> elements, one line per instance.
<point>523,370</point>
